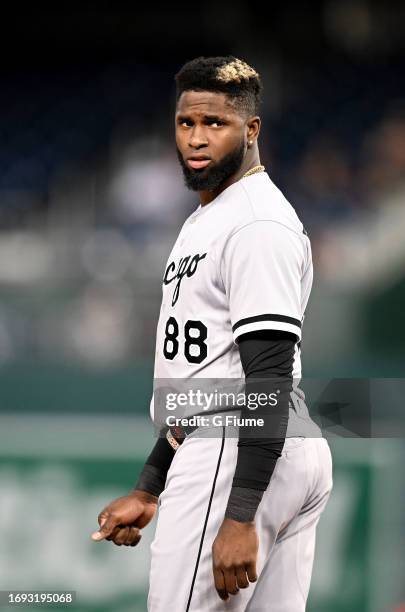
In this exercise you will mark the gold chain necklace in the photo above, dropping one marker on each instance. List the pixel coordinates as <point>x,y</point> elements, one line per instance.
<point>254,170</point>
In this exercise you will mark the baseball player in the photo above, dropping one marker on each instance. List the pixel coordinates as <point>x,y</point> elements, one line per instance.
<point>237,510</point>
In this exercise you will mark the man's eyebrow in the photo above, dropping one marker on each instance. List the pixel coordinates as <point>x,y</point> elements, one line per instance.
<point>212,116</point>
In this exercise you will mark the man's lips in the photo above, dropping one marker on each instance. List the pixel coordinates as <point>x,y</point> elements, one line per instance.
<point>197,164</point>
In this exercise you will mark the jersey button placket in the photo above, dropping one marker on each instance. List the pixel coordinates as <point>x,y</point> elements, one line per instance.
<point>192,220</point>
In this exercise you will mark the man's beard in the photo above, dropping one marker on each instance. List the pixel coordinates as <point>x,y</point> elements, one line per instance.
<point>211,177</point>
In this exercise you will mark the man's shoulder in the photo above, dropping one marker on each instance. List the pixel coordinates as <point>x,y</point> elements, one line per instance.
<point>256,199</point>
<point>268,203</point>
<point>252,201</point>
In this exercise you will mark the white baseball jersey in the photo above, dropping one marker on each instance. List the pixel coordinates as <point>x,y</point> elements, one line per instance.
<point>241,263</point>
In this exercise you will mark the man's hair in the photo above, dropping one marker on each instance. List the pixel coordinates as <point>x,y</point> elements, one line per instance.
<point>228,75</point>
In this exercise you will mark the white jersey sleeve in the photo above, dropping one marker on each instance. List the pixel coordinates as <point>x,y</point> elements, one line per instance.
<point>262,268</point>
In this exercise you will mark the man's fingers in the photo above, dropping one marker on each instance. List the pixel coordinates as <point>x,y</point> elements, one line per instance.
<point>230,581</point>
<point>241,578</point>
<point>120,537</point>
<point>106,529</point>
<point>113,534</point>
<point>134,537</point>
<point>220,584</point>
<point>251,571</point>
<point>125,536</point>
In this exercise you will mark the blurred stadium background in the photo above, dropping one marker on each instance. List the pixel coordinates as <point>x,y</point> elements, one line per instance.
<point>91,199</point>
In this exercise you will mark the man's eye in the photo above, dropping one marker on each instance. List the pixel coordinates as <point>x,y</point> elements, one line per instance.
<point>215,123</point>
<point>186,123</point>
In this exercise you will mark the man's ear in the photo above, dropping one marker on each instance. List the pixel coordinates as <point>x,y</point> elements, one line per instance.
<point>253,128</point>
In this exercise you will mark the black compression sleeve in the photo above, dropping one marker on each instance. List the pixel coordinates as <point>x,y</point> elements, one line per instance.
<point>267,359</point>
<point>153,476</point>
<point>162,454</point>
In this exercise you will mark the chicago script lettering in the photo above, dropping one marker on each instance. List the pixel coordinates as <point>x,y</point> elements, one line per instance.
<point>187,266</point>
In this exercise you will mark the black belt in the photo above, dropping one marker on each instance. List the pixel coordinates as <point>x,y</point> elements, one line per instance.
<point>176,434</point>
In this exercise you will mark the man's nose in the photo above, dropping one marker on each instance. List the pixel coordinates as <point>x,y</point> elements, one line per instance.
<point>198,138</point>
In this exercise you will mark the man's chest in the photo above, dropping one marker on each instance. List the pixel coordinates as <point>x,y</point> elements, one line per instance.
<point>192,278</point>
<point>194,313</point>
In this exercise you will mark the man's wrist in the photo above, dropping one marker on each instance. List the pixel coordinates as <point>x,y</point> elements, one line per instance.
<point>144,496</point>
<point>239,524</point>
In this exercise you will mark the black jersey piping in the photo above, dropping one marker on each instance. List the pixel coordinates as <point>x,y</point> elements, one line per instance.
<point>267,317</point>
<point>206,520</point>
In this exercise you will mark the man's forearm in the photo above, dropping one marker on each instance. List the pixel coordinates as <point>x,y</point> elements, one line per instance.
<point>257,456</point>
<point>267,359</point>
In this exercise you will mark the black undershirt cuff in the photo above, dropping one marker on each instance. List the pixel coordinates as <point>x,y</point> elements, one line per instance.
<point>153,476</point>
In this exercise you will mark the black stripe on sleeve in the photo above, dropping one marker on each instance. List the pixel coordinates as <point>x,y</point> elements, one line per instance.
<point>267,317</point>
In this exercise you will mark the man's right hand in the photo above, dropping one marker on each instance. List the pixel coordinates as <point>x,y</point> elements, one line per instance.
<point>122,520</point>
